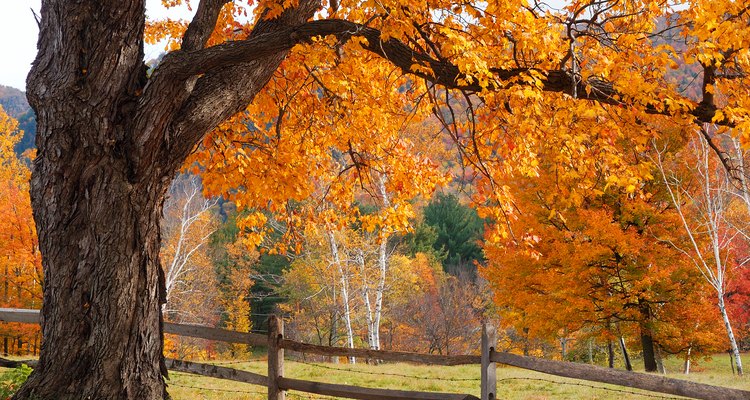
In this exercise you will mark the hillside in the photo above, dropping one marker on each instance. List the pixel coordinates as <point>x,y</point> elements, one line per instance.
<point>13,101</point>
<point>15,104</point>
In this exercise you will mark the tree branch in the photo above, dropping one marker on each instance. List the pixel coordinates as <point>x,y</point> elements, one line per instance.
<point>202,25</point>
<point>211,84</point>
<point>190,63</point>
<point>231,74</point>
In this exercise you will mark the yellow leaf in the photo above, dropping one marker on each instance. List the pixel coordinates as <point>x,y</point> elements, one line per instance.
<point>718,116</point>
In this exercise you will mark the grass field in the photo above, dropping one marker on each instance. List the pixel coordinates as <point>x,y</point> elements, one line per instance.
<point>513,383</point>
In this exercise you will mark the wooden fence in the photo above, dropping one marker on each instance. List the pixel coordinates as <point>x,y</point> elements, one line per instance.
<point>278,384</point>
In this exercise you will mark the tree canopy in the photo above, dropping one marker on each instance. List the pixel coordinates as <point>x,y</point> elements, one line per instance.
<point>287,101</point>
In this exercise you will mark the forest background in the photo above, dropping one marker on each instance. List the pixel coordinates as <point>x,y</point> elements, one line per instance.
<point>391,249</point>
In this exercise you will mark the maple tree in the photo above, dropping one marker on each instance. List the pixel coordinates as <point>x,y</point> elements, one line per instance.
<point>20,261</point>
<point>738,298</point>
<point>590,258</point>
<point>112,134</point>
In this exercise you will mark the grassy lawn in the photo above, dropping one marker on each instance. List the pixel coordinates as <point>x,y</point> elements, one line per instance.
<point>513,383</point>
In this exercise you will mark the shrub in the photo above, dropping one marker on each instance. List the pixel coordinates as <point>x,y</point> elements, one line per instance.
<point>11,380</point>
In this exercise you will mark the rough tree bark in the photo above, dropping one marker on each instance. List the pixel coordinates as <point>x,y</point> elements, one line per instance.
<point>109,142</point>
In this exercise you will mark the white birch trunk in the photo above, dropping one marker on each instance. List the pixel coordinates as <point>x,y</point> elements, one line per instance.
<point>360,258</point>
<point>382,265</point>
<point>344,290</point>
<point>730,332</point>
<point>744,187</point>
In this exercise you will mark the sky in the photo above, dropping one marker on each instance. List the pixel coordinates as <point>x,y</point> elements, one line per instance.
<point>19,31</point>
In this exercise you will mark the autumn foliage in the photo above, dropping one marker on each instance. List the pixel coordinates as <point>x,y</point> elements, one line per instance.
<point>543,126</point>
<point>20,261</point>
<point>546,119</point>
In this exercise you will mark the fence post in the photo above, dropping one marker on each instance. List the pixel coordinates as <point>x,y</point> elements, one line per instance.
<point>489,380</point>
<point>275,357</point>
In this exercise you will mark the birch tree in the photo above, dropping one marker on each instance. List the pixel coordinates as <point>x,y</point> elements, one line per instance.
<point>343,275</point>
<point>702,195</point>
<point>188,272</point>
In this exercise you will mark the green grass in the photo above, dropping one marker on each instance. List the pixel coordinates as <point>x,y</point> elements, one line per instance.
<point>513,383</point>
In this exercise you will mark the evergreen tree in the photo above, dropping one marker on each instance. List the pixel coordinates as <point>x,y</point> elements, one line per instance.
<point>459,230</point>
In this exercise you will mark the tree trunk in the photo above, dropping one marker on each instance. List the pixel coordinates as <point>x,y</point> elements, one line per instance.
<point>628,365</point>
<point>109,140</point>
<point>97,217</point>
<point>659,360</point>
<point>333,337</point>
<point>647,341</point>
<point>610,354</point>
<point>730,333</point>
<point>649,355</point>
<point>365,290</point>
<point>99,238</point>
<point>344,278</point>
<point>382,263</point>
<point>686,366</point>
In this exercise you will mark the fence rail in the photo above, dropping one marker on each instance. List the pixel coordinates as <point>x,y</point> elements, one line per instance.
<point>221,335</point>
<point>277,383</point>
<point>356,392</point>
<point>637,380</point>
<point>19,315</point>
<point>215,371</point>
<point>383,355</point>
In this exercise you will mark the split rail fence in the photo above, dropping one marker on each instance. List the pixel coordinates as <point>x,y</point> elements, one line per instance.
<point>277,383</point>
